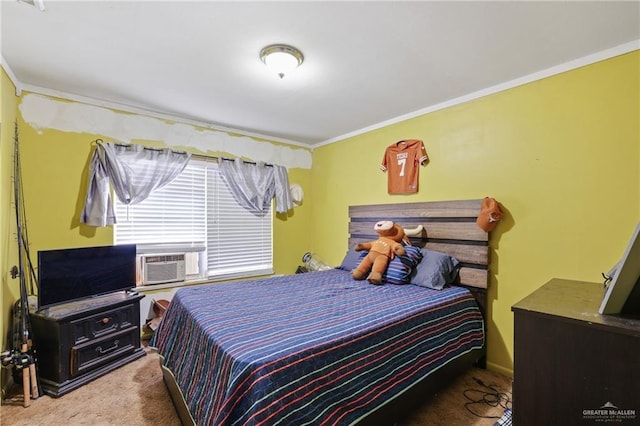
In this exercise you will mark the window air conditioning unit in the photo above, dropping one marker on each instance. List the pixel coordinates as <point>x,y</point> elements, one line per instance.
<point>166,268</point>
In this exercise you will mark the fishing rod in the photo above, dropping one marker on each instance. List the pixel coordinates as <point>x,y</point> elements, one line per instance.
<point>22,354</point>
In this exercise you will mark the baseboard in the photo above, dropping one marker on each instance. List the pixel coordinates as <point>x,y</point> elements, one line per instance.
<point>499,369</point>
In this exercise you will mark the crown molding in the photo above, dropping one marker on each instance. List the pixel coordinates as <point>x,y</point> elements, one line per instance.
<point>558,69</point>
<point>17,84</point>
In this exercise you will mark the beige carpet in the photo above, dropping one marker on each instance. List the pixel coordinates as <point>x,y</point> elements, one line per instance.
<point>135,395</point>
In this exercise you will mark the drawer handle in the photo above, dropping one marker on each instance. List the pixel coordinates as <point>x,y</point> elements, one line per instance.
<point>114,347</point>
<point>105,320</point>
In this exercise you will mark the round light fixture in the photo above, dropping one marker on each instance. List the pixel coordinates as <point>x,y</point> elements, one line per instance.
<point>281,58</point>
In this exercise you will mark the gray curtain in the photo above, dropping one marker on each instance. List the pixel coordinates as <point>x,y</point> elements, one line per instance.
<point>133,171</point>
<point>254,185</point>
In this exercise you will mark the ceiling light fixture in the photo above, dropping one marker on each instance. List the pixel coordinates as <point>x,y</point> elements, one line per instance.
<point>281,58</point>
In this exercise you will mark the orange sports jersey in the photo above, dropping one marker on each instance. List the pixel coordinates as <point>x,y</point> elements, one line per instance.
<point>401,160</point>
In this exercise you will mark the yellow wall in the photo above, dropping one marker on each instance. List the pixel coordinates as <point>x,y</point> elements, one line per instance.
<point>54,170</point>
<point>292,232</point>
<point>561,154</point>
<point>55,177</point>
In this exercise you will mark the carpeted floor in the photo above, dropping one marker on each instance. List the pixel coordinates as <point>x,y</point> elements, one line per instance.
<point>135,395</point>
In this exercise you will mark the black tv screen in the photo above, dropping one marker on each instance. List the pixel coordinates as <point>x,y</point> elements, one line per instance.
<point>66,275</point>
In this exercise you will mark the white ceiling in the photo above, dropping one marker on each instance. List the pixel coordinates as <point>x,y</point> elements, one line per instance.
<point>366,62</point>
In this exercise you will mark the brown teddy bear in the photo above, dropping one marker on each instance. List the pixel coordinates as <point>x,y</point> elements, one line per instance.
<point>381,251</point>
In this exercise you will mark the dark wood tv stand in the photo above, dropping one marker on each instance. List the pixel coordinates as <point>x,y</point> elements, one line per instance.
<point>573,365</point>
<point>79,341</point>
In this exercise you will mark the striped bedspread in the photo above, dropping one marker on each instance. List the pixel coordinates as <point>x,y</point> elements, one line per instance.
<point>315,348</point>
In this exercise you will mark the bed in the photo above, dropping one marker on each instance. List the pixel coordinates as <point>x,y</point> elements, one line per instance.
<point>322,348</point>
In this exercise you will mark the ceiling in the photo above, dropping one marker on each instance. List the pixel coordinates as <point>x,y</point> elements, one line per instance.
<point>366,62</point>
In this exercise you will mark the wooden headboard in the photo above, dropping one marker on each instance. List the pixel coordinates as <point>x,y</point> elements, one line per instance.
<point>449,227</point>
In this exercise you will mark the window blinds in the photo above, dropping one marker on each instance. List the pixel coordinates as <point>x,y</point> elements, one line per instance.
<point>196,211</point>
<point>238,240</point>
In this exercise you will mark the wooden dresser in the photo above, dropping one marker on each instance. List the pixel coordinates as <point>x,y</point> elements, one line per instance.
<point>79,341</point>
<point>573,365</point>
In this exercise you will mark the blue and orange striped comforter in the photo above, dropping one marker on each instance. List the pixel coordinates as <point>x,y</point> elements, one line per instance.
<point>315,348</point>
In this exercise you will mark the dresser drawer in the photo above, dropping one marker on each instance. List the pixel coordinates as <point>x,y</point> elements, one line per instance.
<point>89,355</point>
<point>102,324</point>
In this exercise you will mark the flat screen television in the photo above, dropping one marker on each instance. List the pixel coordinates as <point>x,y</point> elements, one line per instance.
<point>67,275</point>
<point>623,293</point>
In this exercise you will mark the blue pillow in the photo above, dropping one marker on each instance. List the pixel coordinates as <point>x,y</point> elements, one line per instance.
<point>435,270</point>
<point>414,254</point>
<point>352,259</point>
<point>400,268</point>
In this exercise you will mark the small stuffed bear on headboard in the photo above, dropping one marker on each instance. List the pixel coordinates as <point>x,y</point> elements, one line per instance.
<point>381,251</point>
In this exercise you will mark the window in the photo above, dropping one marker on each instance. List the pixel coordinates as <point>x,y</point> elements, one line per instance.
<point>196,213</point>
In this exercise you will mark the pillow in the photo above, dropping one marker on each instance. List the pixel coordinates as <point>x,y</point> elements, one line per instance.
<point>414,254</point>
<point>435,270</point>
<point>400,268</point>
<point>352,259</point>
